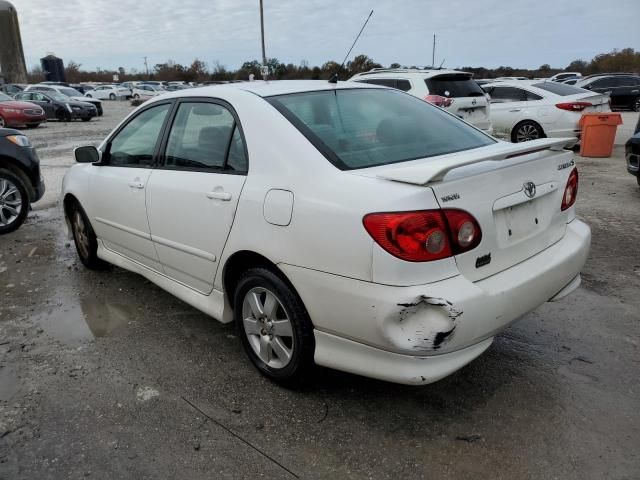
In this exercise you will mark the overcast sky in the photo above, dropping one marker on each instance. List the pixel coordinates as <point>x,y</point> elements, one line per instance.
<point>517,33</point>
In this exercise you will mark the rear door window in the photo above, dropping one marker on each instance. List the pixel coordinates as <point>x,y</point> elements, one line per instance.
<point>454,85</point>
<point>200,137</point>
<point>398,83</point>
<point>507,94</point>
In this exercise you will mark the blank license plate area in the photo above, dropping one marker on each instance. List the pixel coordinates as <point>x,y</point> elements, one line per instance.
<point>519,222</point>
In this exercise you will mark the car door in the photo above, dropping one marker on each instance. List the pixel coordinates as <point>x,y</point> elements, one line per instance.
<point>45,103</point>
<point>192,198</point>
<point>118,210</point>
<point>508,107</point>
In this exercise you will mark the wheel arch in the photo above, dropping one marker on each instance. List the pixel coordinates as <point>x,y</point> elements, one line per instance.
<point>239,262</point>
<point>18,170</point>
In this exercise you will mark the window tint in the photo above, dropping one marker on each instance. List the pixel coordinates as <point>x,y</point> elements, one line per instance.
<point>362,128</point>
<point>135,144</point>
<point>200,136</point>
<point>385,82</point>
<point>400,84</point>
<point>403,85</point>
<point>237,160</point>
<point>453,85</point>
<point>507,94</point>
<point>602,83</point>
<point>532,96</point>
<point>558,88</point>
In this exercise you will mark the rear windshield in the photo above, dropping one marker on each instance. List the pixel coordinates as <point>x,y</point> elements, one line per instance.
<point>559,88</point>
<point>363,128</point>
<point>453,86</point>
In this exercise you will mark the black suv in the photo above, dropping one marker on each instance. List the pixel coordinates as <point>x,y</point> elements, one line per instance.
<point>20,181</point>
<point>623,88</point>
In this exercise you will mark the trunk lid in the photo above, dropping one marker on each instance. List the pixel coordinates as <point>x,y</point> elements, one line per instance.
<point>513,190</point>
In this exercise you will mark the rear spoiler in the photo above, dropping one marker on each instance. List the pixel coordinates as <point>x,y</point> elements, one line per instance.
<point>434,170</point>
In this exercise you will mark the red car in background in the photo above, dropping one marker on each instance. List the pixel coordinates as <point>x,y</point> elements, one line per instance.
<point>15,114</point>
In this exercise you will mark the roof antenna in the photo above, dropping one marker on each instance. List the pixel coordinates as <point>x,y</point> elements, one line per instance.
<point>442,63</point>
<point>334,77</point>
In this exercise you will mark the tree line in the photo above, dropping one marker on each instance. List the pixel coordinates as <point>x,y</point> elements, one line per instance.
<point>625,60</point>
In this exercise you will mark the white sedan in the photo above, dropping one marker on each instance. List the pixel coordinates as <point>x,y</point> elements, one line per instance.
<point>528,110</point>
<point>108,92</point>
<point>341,225</point>
<point>146,91</point>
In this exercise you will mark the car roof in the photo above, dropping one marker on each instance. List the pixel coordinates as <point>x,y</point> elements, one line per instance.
<point>418,72</point>
<point>276,87</point>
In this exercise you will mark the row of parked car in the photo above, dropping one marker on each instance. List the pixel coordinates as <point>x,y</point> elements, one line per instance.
<point>515,108</point>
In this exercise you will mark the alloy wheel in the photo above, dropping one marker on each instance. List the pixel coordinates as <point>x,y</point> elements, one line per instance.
<point>268,327</point>
<point>10,202</point>
<point>527,132</point>
<point>80,231</point>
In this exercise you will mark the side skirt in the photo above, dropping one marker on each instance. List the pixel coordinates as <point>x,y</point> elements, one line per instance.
<point>214,305</point>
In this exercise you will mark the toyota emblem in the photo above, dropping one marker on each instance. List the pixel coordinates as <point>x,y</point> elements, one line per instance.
<point>530,189</point>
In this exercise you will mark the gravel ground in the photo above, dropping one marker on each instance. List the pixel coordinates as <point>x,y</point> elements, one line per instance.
<point>103,375</point>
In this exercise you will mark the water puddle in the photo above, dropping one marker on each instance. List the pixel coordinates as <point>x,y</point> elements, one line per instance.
<point>85,319</point>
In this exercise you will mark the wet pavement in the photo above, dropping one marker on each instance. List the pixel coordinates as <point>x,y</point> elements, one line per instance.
<point>103,375</point>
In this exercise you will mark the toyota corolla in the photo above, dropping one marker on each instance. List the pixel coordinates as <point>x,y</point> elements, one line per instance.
<point>350,226</point>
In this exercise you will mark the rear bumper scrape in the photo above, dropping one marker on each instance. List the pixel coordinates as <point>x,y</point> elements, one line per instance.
<point>436,332</point>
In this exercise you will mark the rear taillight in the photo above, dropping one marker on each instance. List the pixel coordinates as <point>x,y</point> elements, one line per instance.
<point>570,191</point>
<point>439,101</point>
<point>425,235</point>
<point>573,106</point>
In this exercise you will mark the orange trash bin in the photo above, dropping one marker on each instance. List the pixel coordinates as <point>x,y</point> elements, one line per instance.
<point>598,133</point>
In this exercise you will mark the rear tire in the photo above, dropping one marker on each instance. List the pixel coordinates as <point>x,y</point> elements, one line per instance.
<point>3,123</point>
<point>112,96</point>
<point>33,125</point>
<point>525,131</point>
<point>274,326</point>
<point>86,119</point>
<point>84,238</point>
<point>136,96</point>
<point>635,106</point>
<point>14,201</point>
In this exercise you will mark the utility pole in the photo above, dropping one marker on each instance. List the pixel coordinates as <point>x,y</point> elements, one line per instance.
<point>264,55</point>
<point>433,52</point>
<point>146,66</point>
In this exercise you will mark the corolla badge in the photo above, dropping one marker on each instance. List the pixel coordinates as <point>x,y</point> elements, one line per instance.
<point>530,189</point>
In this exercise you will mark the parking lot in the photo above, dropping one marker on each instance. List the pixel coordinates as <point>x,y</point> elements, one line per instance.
<point>104,375</point>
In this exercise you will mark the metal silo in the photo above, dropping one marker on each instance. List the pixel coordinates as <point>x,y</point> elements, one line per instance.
<point>12,65</point>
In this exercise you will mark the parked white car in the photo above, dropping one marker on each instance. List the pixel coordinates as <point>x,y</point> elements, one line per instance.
<point>564,76</point>
<point>350,226</point>
<point>535,109</point>
<point>452,90</point>
<point>143,90</point>
<point>72,93</point>
<point>108,92</point>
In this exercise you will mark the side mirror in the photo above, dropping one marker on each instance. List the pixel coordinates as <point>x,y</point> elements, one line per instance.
<point>88,154</point>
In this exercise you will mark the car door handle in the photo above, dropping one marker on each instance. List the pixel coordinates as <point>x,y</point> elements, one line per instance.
<point>218,195</point>
<point>135,184</point>
<point>516,110</point>
<point>635,91</point>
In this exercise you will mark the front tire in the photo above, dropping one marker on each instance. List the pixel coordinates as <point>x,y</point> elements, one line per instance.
<point>3,123</point>
<point>63,116</point>
<point>14,202</point>
<point>112,96</point>
<point>526,131</point>
<point>136,96</point>
<point>635,106</point>
<point>85,238</point>
<point>274,326</point>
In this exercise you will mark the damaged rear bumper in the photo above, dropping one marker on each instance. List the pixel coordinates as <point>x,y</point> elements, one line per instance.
<point>447,323</point>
